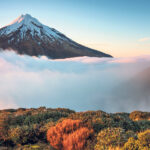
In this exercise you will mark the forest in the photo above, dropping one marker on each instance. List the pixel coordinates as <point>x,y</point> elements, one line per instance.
<point>65,129</point>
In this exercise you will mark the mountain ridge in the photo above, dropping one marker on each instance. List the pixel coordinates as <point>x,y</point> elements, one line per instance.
<point>26,35</point>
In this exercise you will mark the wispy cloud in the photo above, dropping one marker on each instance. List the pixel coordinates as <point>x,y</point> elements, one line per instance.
<point>144,39</point>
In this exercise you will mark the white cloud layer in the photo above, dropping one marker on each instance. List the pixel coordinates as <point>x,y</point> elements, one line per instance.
<point>81,83</point>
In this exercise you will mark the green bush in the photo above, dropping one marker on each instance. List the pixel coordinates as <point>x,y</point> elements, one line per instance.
<point>4,126</point>
<point>144,139</point>
<point>100,120</point>
<point>143,125</point>
<point>142,143</point>
<point>43,130</point>
<point>36,118</point>
<point>23,135</point>
<point>112,137</point>
<point>132,144</point>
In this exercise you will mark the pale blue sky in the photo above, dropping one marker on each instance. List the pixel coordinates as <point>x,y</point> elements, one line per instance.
<point>118,27</point>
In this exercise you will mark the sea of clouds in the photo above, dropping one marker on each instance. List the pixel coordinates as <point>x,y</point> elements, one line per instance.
<point>81,83</point>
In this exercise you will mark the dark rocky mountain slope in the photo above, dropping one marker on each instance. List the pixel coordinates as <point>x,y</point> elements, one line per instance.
<point>26,35</point>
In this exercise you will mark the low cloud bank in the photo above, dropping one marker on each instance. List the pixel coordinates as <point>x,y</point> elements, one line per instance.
<point>81,83</point>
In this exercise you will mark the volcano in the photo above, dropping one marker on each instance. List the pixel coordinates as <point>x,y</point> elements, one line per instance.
<point>26,35</point>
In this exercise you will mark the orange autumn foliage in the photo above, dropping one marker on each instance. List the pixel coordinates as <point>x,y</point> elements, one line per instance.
<point>77,139</point>
<point>69,135</point>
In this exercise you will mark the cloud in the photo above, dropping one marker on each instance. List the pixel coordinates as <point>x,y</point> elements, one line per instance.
<point>81,83</point>
<point>144,39</point>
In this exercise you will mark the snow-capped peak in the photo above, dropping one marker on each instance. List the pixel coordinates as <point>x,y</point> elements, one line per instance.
<point>26,35</point>
<point>26,23</point>
<point>26,20</point>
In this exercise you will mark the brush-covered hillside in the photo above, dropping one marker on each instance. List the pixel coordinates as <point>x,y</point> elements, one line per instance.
<point>64,129</point>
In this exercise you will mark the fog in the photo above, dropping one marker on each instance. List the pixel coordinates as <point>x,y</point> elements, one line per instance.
<point>81,83</point>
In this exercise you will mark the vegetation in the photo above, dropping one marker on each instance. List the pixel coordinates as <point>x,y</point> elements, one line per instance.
<point>69,135</point>
<point>64,129</point>
<point>142,142</point>
<point>112,137</point>
<point>139,115</point>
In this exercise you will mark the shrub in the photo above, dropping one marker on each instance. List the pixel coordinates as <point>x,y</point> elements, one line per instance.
<point>139,115</point>
<point>43,130</point>
<point>15,135</point>
<point>100,120</point>
<point>144,139</point>
<point>23,134</point>
<point>69,135</point>
<point>77,139</point>
<point>131,144</point>
<point>144,125</point>
<point>40,115</point>
<point>143,142</point>
<point>111,137</point>
<point>4,125</point>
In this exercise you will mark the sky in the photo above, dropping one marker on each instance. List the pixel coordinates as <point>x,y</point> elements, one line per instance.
<point>118,27</point>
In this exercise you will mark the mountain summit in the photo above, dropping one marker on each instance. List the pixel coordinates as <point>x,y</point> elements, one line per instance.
<point>26,35</point>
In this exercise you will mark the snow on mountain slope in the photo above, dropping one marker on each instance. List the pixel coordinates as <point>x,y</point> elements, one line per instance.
<point>25,23</point>
<point>26,35</point>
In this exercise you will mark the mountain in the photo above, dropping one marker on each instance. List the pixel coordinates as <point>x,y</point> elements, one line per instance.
<point>26,35</point>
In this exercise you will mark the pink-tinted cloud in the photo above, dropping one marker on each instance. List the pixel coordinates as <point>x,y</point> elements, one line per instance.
<point>81,83</point>
<point>144,39</point>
